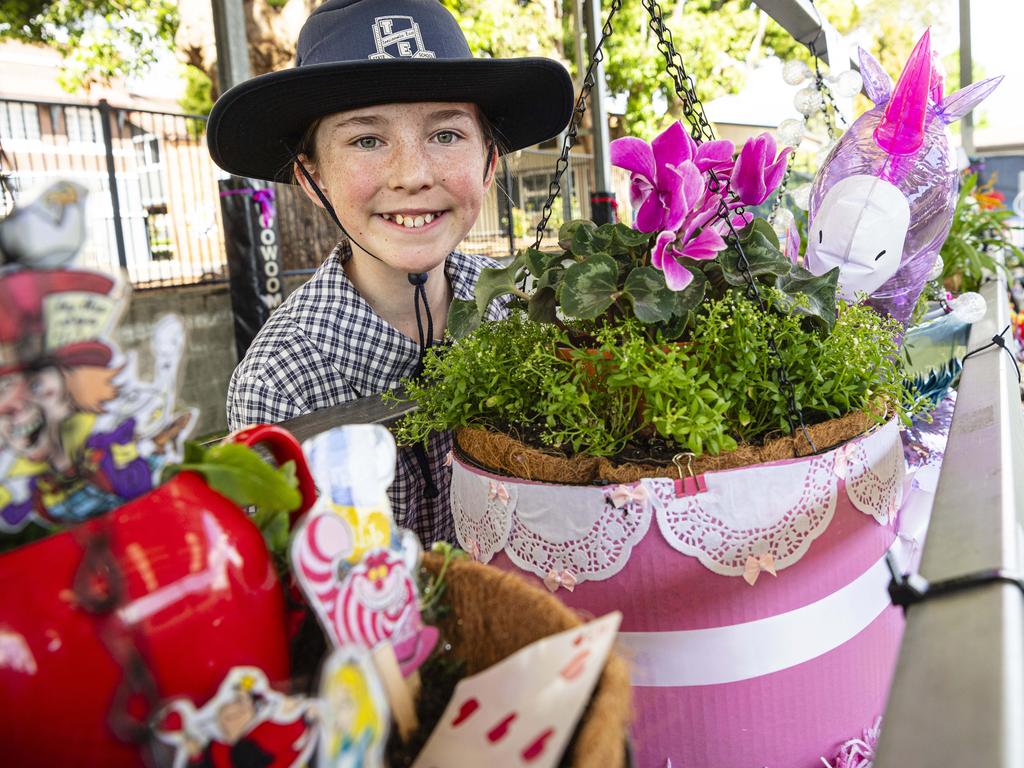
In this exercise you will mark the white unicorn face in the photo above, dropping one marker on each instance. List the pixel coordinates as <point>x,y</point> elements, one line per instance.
<point>859,227</point>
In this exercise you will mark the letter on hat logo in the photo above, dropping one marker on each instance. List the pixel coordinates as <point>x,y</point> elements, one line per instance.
<point>398,37</point>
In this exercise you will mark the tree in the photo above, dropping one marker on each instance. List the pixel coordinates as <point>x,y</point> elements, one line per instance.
<point>100,40</point>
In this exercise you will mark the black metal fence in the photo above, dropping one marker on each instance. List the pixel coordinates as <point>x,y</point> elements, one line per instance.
<point>154,208</point>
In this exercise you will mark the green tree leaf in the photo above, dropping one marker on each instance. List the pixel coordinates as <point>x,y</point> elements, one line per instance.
<point>590,287</point>
<point>653,301</point>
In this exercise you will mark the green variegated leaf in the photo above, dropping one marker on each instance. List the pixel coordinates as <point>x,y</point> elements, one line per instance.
<point>497,281</point>
<point>589,287</point>
<point>690,297</point>
<point>463,318</point>
<point>811,295</point>
<point>538,262</point>
<point>543,306</point>
<point>653,301</point>
<point>631,238</point>
<point>761,247</point>
<point>567,232</point>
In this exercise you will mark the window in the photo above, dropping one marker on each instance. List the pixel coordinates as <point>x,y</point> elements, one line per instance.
<point>18,121</point>
<point>150,166</point>
<point>83,124</point>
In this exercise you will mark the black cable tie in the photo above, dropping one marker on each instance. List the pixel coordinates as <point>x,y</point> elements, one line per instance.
<point>907,589</point>
<point>999,340</point>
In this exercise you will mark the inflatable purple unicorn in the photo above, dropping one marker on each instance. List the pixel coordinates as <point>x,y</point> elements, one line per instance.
<point>882,203</point>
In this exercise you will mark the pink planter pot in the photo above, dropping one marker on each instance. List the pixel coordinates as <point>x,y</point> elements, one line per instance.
<point>726,674</point>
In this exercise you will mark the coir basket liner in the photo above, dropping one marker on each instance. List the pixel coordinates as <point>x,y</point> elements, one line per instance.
<point>495,613</point>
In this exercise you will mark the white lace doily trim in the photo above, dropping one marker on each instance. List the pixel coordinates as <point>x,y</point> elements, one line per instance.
<point>715,527</point>
<point>874,468</point>
<point>759,517</point>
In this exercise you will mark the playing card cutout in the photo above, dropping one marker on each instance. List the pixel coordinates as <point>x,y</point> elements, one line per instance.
<point>523,710</point>
<point>355,716</point>
<point>246,723</point>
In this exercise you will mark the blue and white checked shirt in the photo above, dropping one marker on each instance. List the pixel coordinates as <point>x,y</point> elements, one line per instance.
<point>324,346</point>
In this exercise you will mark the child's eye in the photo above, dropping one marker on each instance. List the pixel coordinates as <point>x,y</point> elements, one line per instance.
<point>446,137</point>
<point>367,142</point>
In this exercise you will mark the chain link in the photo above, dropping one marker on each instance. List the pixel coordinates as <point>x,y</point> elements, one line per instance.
<point>700,130</point>
<point>554,188</point>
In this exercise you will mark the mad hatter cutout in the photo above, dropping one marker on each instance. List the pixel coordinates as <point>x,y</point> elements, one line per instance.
<point>79,433</point>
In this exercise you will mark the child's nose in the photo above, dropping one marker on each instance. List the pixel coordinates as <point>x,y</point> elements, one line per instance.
<point>410,167</point>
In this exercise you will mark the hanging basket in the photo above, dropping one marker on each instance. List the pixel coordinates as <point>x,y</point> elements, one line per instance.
<point>494,614</point>
<point>754,600</point>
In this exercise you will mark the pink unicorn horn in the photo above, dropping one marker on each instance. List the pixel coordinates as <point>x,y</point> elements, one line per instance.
<point>901,130</point>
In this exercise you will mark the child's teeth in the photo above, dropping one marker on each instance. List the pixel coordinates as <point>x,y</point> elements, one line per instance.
<point>408,222</point>
<point>428,218</point>
<point>418,221</point>
<point>399,219</point>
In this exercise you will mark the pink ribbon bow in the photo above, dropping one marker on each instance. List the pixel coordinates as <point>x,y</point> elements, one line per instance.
<point>474,549</point>
<point>555,579</point>
<point>621,495</point>
<point>498,491</point>
<point>755,565</point>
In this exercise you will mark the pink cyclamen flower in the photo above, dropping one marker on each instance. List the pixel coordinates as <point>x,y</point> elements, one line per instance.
<point>666,176</point>
<point>758,172</point>
<point>698,238</point>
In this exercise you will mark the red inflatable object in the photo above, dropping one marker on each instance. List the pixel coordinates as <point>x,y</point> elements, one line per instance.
<point>199,596</point>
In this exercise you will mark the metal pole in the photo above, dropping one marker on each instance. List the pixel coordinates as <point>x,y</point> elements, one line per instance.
<point>508,208</point>
<point>232,46</point>
<point>602,200</point>
<point>967,123</point>
<point>115,200</point>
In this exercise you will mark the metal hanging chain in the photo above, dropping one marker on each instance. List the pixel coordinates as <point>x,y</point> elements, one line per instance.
<point>701,130</point>
<point>829,108</point>
<point>554,188</point>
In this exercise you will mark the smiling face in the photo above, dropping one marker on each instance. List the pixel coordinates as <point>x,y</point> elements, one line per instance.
<point>860,227</point>
<point>32,407</point>
<point>406,180</point>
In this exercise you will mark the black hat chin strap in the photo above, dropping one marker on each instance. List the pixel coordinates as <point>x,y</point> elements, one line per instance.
<point>426,335</point>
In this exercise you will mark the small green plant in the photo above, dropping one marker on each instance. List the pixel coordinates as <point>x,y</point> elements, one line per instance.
<point>622,389</point>
<point>978,233</point>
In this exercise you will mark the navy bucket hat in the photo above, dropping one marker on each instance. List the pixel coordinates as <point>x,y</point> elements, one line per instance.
<point>357,53</point>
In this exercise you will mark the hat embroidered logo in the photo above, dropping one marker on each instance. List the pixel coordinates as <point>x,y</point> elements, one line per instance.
<point>400,34</point>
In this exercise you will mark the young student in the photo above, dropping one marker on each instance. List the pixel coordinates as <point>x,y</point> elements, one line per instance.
<point>389,124</point>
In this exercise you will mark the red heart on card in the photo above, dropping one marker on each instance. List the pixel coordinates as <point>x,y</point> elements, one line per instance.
<point>575,667</point>
<point>468,708</point>
<point>535,750</point>
<point>498,732</point>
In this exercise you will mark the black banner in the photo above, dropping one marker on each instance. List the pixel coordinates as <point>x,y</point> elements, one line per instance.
<point>254,266</point>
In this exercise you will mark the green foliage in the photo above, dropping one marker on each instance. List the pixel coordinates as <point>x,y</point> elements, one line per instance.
<point>99,39</point>
<point>979,232</point>
<point>240,474</point>
<point>704,395</point>
<point>198,96</point>
<point>604,274</point>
